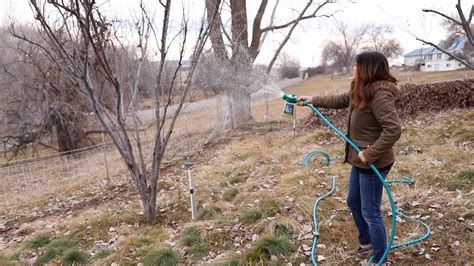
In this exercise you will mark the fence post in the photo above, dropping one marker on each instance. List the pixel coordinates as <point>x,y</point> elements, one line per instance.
<point>109,186</point>
<point>267,124</point>
<point>294,126</point>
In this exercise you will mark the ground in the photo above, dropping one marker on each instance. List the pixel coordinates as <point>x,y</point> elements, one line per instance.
<point>251,186</point>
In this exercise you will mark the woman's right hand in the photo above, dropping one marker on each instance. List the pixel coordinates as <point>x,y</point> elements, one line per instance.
<point>304,99</point>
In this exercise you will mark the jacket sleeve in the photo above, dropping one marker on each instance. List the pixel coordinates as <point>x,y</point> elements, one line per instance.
<point>383,108</point>
<point>333,101</point>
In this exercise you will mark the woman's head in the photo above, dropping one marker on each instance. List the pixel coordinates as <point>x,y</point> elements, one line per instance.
<point>370,67</point>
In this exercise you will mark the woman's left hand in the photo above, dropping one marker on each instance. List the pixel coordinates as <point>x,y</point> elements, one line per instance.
<point>361,157</point>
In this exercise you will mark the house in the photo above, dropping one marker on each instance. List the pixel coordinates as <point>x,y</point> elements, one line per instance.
<point>432,59</point>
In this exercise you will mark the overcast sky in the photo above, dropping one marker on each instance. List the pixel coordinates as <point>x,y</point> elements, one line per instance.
<point>306,44</point>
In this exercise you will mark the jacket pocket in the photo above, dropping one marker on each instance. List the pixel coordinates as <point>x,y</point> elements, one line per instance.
<point>363,144</point>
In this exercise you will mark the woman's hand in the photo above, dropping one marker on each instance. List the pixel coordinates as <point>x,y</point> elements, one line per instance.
<point>362,157</point>
<point>304,99</point>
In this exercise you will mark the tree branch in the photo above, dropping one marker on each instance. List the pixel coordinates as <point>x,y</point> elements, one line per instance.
<point>257,31</point>
<point>460,60</point>
<point>293,27</point>
<point>300,18</point>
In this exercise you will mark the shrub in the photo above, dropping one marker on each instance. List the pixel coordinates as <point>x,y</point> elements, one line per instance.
<point>161,257</point>
<point>75,257</point>
<point>289,72</point>
<point>230,194</point>
<point>269,246</point>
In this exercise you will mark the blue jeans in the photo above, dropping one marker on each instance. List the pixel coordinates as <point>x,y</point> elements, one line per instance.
<point>364,199</point>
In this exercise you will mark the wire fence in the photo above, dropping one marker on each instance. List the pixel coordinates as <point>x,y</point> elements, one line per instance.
<point>29,182</point>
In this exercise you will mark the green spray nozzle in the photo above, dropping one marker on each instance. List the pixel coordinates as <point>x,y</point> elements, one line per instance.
<point>291,98</point>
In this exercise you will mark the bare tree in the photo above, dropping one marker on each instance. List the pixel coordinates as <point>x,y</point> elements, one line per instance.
<point>459,24</point>
<point>378,41</point>
<point>340,54</point>
<point>91,45</point>
<point>42,105</point>
<point>236,51</point>
<point>289,67</point>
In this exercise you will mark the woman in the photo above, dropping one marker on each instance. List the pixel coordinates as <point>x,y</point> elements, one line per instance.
<point>373,124</point>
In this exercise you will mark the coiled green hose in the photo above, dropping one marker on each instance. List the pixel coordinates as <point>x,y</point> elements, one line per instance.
<point>387,189</point>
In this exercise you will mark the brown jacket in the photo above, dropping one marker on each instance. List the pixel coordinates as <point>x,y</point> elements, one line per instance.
<point>374,129</point>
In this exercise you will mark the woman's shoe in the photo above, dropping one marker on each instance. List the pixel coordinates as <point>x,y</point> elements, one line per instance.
<point>365,250</point>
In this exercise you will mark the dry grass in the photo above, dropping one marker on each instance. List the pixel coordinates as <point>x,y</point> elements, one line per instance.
<point>435,150</point>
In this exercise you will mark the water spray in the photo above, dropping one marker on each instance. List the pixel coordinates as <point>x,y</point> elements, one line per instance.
<point>291,100</point>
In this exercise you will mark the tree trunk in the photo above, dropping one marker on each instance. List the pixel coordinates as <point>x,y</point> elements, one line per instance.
<point>149,204</point>
<point>64,138</point>
<point>240,100</point>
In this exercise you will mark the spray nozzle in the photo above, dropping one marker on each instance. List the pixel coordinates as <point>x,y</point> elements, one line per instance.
<point>290,98</point>
<point>289,108</point>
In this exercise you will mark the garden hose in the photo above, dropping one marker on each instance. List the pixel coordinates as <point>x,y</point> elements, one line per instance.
<point>309,157</point>
<point>394,211</point>
<point>315,220</point>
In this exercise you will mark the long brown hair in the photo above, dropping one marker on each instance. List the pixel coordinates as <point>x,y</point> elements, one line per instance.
<point>371,67</point>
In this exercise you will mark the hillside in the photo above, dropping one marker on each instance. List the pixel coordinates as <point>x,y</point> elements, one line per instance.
<point>247,190</point>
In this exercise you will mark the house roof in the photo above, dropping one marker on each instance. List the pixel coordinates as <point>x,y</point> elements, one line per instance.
<point>422,51</point>
<point>457,44</point>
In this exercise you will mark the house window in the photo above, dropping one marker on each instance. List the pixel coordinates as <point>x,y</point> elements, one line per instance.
<point>430,57</point>
<point>448,65</point>
<point>438,56</point>
<point>459,64</point>
<point>429,66</point>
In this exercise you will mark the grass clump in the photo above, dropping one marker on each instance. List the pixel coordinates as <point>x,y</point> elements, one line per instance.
<point>149,236</point>
<point>466,174</point>
<point>197,246</point>
<point>46,257</point>
<point>161,257</point>
<point>191,236</point>
<point>38,241</point>
<point>198,251</point>
<point>269,246</point>
<point>323,135</point>
<point>55,248</point>
<point>269,207</point>
<point>75,257</point>
<point>230,194</point>
<point>238,178</point>
<point>5,261</point>
<point>251,216</point>
<point>463,180</point>
<point>233,262</point>
<point>104,253</point>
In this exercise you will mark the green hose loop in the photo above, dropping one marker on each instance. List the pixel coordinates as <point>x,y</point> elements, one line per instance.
<point>308,158</point>
<point>315,220</point>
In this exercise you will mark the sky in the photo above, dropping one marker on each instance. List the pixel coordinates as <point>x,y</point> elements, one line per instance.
<point>405,16</point>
